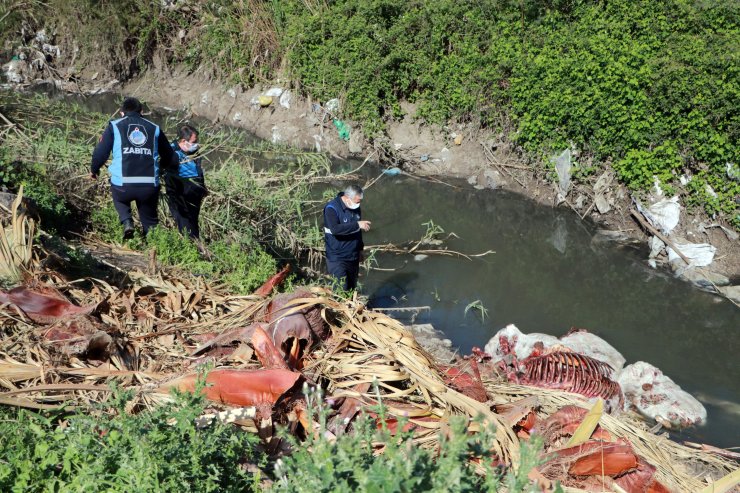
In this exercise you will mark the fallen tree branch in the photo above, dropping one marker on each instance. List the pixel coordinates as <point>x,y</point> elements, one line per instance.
<point>660,235</point>
<point>399,250</point>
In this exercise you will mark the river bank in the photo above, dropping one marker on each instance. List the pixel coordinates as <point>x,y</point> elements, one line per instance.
<point>63,149</point>
<point>486,160</point>
<point>487,114</point>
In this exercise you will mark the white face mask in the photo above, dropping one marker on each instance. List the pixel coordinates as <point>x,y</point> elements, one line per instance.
<point>350,204</point>
<point>190,148</point>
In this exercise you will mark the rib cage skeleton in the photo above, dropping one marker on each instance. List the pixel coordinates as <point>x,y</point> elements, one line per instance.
<point>569,371</point>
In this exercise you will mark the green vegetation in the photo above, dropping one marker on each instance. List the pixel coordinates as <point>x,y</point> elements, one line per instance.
<point>649,88</point>
<point>113,451</point>
<point>51,207</point>
<point>162,450</point>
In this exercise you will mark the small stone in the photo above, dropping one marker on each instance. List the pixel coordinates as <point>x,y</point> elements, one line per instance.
<point>265,101</point>
<point>732,292</point>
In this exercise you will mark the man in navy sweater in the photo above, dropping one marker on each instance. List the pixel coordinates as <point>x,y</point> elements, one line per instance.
<point>343,227</point>
<point>139,147</point>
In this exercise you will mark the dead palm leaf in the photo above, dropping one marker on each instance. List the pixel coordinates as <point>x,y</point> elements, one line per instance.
<point>16,243</point>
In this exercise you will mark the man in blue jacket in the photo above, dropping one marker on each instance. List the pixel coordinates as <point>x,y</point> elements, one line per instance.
<point>343,227</point>
<point>139,148</point>
<point>186,187</point>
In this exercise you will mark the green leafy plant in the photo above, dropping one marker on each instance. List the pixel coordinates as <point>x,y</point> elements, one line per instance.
<point>113,451</point>
<point>477,305</point>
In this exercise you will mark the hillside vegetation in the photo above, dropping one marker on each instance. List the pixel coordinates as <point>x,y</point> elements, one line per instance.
<point>649,88</point>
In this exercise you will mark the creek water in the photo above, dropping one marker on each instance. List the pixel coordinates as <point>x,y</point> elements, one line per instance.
<point>549,273</point>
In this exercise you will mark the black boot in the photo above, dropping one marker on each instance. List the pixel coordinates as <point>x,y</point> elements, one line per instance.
<point>128,229</point>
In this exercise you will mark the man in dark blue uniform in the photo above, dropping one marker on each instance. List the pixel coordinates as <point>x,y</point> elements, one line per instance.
<point>343,227</point>
<point>139,147</point>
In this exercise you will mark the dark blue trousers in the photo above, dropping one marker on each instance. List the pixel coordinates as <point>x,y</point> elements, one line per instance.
<point>146,198</point>
<point>185,196</point>
<point>345,272</point>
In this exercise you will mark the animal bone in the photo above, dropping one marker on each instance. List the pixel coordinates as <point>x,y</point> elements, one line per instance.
<point>565,370</point>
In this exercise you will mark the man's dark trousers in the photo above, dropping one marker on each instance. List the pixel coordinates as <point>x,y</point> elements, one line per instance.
<point>345,272</point>
<point>184,197</point>
<point>146,198</point>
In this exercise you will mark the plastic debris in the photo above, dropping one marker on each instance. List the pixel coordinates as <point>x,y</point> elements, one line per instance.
<point>458,139</point>
<point>656,246</point>
<point>13,71</point>
<point>663,214</point>
<point>285,98</point>
<point>424,158</point>
<point>699,254</point>
<point>332,105</point>
<point>733,171</point>
<point>343,129</point>
<point>392,171</point>
<point>563,167</point>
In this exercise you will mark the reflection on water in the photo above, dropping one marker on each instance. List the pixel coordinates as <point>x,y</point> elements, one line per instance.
<point>550,273</point>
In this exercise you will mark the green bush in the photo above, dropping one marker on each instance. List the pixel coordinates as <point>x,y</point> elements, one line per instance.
<point>649,86</point>
<point>105,222</point>
<point>152,451</point>
<point>243,267</point>
<point>52,208</point>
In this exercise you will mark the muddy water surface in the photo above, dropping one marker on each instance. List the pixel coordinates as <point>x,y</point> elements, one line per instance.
<point>549,273</point>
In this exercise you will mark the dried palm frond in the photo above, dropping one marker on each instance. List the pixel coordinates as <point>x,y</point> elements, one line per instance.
<point>372,347</point>
<point>16,243</point>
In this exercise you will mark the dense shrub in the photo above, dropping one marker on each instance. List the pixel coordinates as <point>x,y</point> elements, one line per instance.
<point>152,451</point>
<point>647,86</point>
